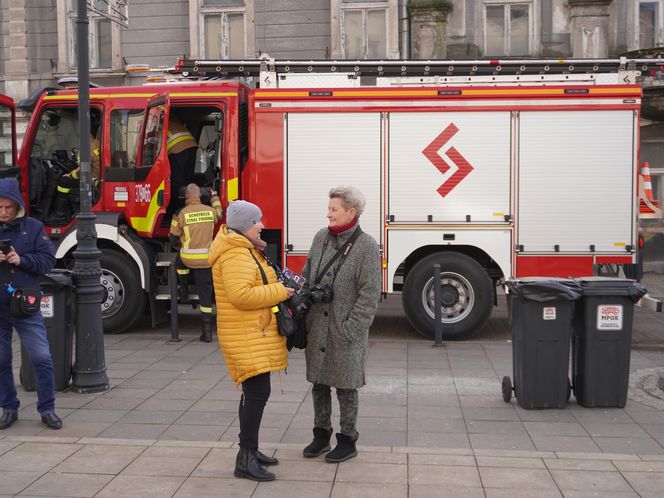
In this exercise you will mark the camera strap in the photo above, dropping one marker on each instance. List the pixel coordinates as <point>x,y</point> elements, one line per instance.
<point>260,268</point>
<point>342,253</point>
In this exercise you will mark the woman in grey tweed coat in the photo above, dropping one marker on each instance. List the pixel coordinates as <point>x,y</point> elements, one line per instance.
<point>338,331</point>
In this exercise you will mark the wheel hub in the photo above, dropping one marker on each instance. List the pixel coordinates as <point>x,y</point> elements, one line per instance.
<point>113,293</point>
<point>458,297</point>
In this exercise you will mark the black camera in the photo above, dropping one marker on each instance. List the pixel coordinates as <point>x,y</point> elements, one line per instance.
<point>320,293</point>
<point>5,246</point>
<point>295,303</point>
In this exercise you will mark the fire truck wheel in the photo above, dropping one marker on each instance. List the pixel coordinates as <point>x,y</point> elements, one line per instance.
<point>123,300</point>
<point>467,295</point>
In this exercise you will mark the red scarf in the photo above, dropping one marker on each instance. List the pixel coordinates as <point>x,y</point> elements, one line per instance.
<point>342,228</point>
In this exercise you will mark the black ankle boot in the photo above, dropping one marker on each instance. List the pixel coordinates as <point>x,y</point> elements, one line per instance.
<point>344,450</point>
<point>206,328</point>
<point>320,444</point>
<point>61,214</point>
<point>247,466</point>
<point>263,459</point>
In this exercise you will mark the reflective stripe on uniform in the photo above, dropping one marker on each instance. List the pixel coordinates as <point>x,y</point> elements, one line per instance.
<point>64,190</point>
<point>176,138</point>
<point>182,271</point>
<point>199,217</point>
<point>205,309</point>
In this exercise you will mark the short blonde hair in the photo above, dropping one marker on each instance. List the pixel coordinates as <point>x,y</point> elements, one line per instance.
<point>351,197</point>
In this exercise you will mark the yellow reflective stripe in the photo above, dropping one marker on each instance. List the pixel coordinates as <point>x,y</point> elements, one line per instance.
<point>140,95</point>
<point>96,152</point>
<point>182,271</point>
<point>233,185</point>
<point>64,190</point>
<point>205,309</point>
<point>199,217</point>
<point>174,223</point>
<point>193,256</point>
<point>173,143</point>
<point>187,236</point>
<point>74,174</point>
<point>145,223</point>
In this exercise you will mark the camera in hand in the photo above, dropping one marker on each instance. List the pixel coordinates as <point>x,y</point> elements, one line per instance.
<point>5,246</point>
<point>295,303</point>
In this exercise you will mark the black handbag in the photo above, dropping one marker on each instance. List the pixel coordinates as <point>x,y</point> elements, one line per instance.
<point>285,322</point>
<point>25,302</point>
<point>298,339</point>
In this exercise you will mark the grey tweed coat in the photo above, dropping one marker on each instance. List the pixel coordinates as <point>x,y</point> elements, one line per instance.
<point>338,338</point>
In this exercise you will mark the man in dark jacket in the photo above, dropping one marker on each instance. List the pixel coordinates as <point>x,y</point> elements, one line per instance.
<point>26,253</point>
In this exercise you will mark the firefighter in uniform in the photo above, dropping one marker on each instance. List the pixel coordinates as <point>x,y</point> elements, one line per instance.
<point>65,201</point>
<point>192,231</point>
<point>181,148</point>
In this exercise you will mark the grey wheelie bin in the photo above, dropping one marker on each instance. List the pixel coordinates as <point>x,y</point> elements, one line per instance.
<point>542,312</point>
<point>603,339</point>
<point>58,309</point>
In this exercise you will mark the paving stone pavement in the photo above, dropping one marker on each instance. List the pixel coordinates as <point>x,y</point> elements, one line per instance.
<point>432,422</point>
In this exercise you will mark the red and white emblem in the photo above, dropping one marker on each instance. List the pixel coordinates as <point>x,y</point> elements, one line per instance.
<point>431,152</point>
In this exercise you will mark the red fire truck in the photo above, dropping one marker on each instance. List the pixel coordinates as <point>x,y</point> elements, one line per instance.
<point>491,169</point>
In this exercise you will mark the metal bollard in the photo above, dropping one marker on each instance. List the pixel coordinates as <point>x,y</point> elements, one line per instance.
<point>438,307</point>
<point>173,286</point>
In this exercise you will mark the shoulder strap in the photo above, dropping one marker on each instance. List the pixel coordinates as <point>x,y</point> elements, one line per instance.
<point>260,268</point>
<point>342,253</point>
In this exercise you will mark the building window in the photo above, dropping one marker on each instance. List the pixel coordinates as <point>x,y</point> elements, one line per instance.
<point>104,34</point>
<point>648,24</point>
<point>364,32</point>
<point>100,36</point>
<point>508,29</point>
<point>364,29</point>
<point>223,33</point>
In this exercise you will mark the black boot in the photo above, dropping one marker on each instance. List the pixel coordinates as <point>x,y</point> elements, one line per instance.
<point>247,466</point>
<point>320,444</point>
<point>266,460</point>
<point>344,450</point>
<point>206,328</point>
<point>61,214</point>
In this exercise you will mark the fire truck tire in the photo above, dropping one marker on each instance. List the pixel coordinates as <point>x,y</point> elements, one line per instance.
<point>123,300</point>
<point>467,295</point>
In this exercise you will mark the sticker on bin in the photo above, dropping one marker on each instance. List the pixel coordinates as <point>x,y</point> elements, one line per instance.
<point>549,313</point>
<point>47,306</point>
<point>610,317</point>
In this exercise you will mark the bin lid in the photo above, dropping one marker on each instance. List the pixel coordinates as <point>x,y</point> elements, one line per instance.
<point>57,278</point>
<point>612,286</point>
<point>545,289</point>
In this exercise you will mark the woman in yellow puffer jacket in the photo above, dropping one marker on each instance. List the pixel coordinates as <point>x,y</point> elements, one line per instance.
<point>246,326</point>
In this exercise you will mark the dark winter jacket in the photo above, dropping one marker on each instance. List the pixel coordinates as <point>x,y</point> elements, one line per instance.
<point>338,337</point>
<point>30,242</point>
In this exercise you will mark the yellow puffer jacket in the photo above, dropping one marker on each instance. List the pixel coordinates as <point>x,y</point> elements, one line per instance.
<point>246,326</point>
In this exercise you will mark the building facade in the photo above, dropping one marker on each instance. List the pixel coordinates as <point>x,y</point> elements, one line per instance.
<point>38,37</point>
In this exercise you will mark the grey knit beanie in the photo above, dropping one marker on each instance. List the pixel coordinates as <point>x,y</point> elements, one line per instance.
<point>242,215</point>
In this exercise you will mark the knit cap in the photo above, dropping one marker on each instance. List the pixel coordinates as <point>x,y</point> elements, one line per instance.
<point>242,215</point>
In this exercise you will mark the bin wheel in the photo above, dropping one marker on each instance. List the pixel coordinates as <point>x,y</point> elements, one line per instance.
<point>507,389</point>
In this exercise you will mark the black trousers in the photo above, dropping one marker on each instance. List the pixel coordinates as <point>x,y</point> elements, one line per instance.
<point>182,172</point>
<point>202,279</point>
<point>255,393</point>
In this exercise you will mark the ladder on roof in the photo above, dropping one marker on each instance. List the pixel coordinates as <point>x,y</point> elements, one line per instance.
<point>270,71</point>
